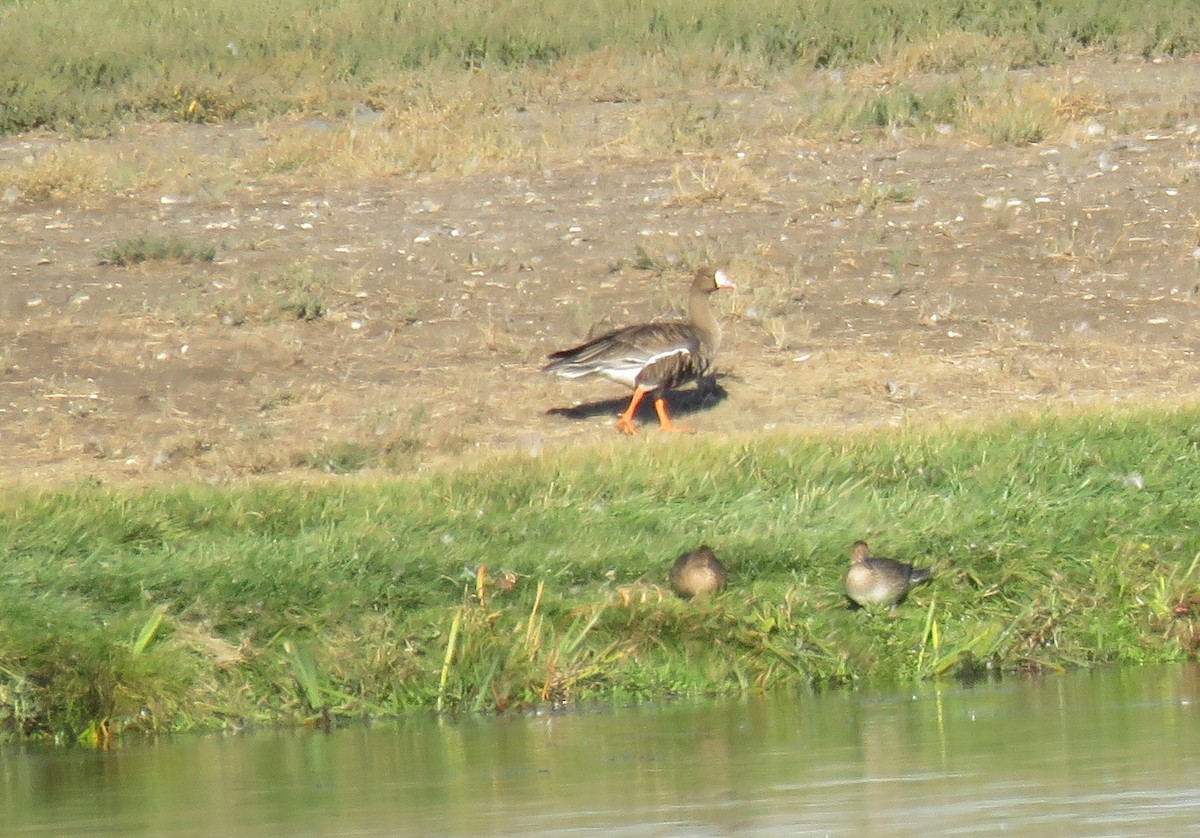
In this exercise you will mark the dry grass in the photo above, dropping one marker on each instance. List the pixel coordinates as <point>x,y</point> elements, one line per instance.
<point>728,181</point>
<point>464,133</point>
<point>946,53</point>
<point>505,120</point>
<point>67,172</point>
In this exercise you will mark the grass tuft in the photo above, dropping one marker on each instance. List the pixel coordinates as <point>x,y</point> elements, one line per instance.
<point>156,249</point>
<point>61,173</point>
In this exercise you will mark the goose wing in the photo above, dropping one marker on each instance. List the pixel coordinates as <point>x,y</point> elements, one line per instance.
<point>651,355</point>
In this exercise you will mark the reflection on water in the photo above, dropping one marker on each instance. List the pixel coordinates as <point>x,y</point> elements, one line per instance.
<point>1106,753</point>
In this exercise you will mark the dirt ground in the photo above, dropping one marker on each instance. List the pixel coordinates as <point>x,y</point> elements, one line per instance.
<point>880,280</point>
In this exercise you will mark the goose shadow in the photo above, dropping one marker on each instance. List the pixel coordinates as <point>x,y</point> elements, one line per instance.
<point>706,394</point>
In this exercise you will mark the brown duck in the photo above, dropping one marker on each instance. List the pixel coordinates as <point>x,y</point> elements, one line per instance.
<point>652,357</point>
<point>875,580</point>
<point>698,573</point>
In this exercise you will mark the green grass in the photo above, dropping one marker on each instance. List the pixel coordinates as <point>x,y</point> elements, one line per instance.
<point>140,249</point>
<point>1057,542</point>
<point>93,64</point>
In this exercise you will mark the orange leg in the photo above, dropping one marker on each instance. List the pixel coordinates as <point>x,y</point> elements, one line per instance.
<point>625,420</point>
<point>664,421</point>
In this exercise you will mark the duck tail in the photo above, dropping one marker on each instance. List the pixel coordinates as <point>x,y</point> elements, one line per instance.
<point>920,574</point>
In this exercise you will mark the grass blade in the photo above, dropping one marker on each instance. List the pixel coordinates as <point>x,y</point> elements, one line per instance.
<point>451,643</point>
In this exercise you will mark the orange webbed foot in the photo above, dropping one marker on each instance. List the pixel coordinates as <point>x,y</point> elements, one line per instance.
<point>664,421</point>
<point>671,427</point>
<point>625,425</point>
<point>625,420</point>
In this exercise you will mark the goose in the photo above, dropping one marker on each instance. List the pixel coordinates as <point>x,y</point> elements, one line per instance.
<point>876,580</point>
<point>698,573</point>
<point>652,357</point>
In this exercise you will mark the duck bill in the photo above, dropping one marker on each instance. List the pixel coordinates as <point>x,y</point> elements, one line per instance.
<point>723,280</point>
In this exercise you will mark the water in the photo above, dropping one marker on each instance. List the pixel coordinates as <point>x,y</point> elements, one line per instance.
<point>1106,753</point>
